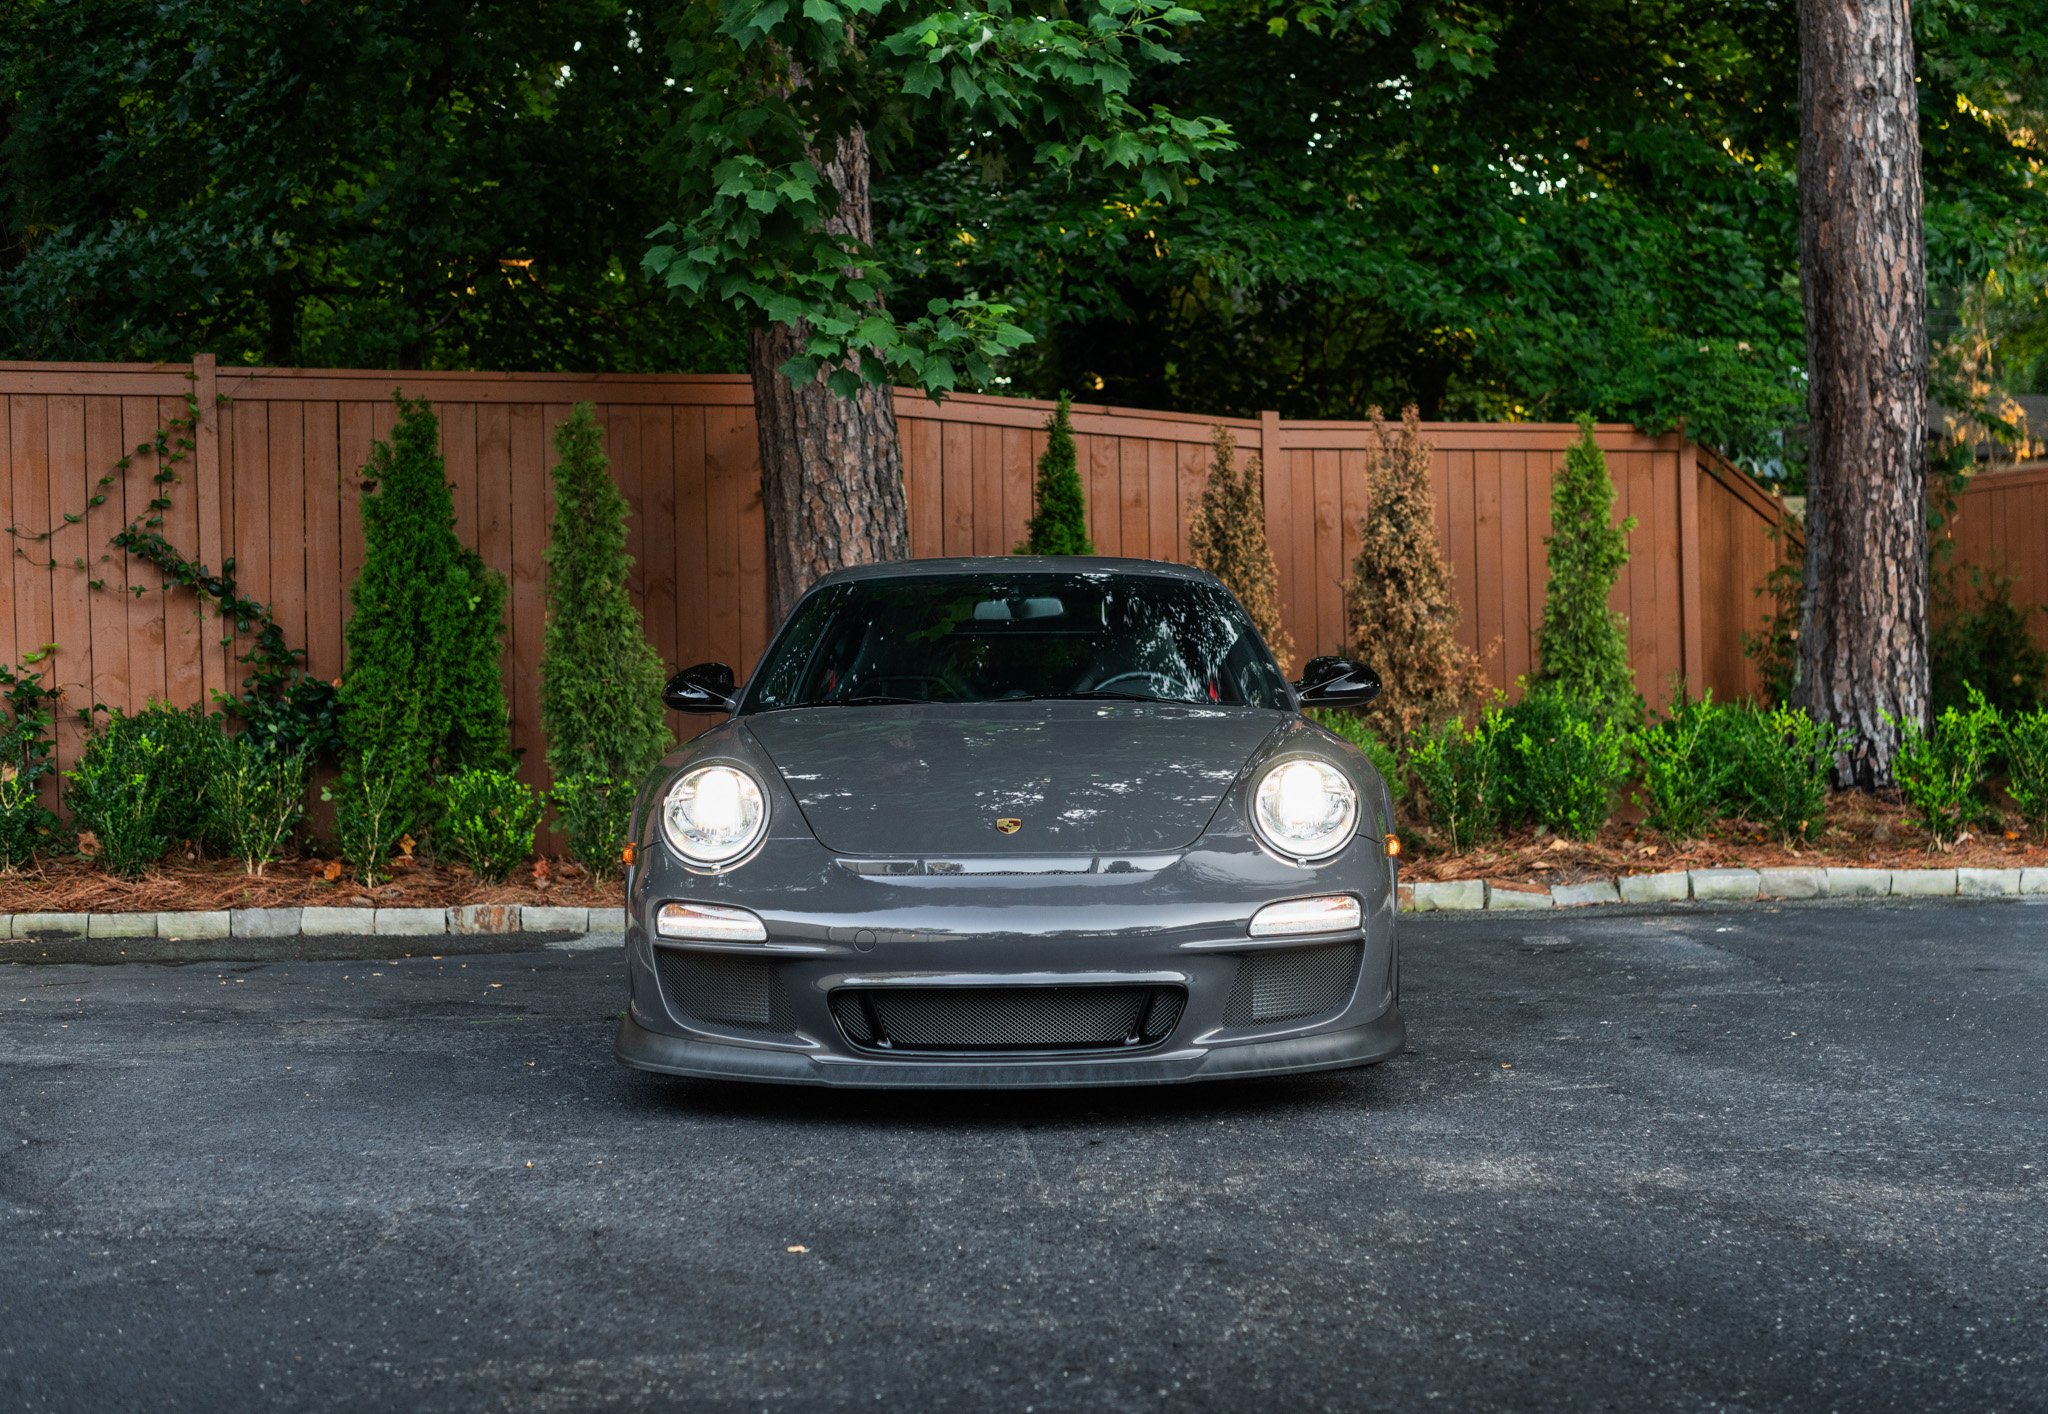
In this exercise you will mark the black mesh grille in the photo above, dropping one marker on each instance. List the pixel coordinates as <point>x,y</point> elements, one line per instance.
<point>743,993</point>
<point>1080,1018</point>
<point>1287,984</point>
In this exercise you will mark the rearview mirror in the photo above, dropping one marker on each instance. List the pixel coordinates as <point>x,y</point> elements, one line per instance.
<point>1337,682</point>
<point>703,687</point>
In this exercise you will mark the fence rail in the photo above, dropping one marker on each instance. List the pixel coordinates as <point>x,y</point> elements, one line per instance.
<point>272,481</point>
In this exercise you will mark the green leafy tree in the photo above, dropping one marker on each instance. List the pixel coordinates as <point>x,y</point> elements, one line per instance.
<point>1227,537</point>
<point>422,697</point>
<point>397,185</point>
<point>1584,644</point>
<point>1060,524</point>
<point>600,682</point>
<point>789,111</point>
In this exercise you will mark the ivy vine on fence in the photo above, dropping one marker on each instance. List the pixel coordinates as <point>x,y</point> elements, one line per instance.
<point>280,703</point>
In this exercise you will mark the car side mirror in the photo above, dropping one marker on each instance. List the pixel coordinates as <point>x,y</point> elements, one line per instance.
<point>1337,682</point>
<point>703,687</point>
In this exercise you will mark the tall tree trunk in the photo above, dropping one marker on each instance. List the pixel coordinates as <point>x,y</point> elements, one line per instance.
<point>831,467</point>
<point>1863,610</point>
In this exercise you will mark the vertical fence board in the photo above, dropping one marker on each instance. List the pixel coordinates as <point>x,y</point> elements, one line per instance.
<point>70,615</point>
<point>325,592</point>
<point>106,571</point>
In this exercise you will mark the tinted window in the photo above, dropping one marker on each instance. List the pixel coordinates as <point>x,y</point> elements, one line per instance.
<point>985,638</point>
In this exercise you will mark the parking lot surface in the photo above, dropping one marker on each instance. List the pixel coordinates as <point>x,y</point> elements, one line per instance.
<point>1760,1158</point>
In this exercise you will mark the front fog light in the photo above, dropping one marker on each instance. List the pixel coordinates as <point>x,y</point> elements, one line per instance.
<point>708,922</point>
<point>1332,913</point>
<point>1305,809</point>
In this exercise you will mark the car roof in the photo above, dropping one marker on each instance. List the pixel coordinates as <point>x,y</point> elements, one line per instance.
<point>1020,564</point>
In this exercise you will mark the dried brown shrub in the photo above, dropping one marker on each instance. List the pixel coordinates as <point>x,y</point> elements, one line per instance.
<point>1227,537</point>
<point>1398,600</point>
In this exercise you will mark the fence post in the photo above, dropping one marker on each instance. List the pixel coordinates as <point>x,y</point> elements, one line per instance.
<point>213,657</point>
<point>1692,649</point>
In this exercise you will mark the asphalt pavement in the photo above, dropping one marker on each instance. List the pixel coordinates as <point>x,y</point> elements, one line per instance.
<point>1767,1158</point>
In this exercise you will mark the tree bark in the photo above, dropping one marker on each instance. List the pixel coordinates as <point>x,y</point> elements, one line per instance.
<point>831,467</point>
<point>1863,608</point>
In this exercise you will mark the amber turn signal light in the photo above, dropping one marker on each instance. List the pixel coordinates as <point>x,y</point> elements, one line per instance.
<point>626,855</point>
<point>1393,846</point>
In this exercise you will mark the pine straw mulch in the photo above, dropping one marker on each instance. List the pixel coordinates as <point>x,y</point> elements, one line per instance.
<point>79,886</point>
<point>1862,832</point>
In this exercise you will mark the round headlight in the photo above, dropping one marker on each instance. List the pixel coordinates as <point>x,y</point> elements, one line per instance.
<point>1305,809</point>
<point>714,814</point>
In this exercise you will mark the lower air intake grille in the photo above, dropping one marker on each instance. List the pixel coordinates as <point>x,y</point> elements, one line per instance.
<point>1287,984</point>
<point>1079,1018</point>
<point>730,993</point>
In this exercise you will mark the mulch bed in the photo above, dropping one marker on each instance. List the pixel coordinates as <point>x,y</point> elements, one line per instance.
<point>1862,832</point>
<point>79,886</point>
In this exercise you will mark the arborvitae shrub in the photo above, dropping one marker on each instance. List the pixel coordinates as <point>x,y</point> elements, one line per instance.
<point>600,682</point>
<point>1398,600</point>
<point>1060,525</point>
<point>422,696</point>
<point>1584,644</point>
<point>1227,537</point>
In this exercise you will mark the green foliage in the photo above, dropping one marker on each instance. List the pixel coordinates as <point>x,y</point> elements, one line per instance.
<point>1942,773</point>
<point>600,682</point>
<point>488,822</point>
<point>385,186</point>
<point>773,87</point>
<point>597,814</point>
<point>1987,645</point>
<point>1562,761</point>
<point>371,816</point>
<point>119,797</point>
<point>190,740</point>
<point>1687,770</point>
<point>25,823</point>
<point>2023,742</point>
<point>422,694</point>
<point>254,798</point>
<point>1459,770</point>
<point>1060,524</point>
<point>1774,648</point>
<point>1227,537</point>
<point>1584,644</point>
<point>27,715</point>
<point>1382,756</point>
<point>1780,760</point>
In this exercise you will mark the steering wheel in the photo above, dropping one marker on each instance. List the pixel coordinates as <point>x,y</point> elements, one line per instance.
<point>1154,684</point>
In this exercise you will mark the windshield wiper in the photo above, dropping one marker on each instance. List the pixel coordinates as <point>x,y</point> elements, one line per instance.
<point>1098,697</point>
<point>875,701</point>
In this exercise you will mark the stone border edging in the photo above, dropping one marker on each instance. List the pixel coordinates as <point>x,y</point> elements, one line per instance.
<point>1724,886</point>
<point>467,919</point>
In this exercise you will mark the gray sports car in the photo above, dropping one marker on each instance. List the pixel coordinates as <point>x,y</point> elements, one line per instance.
<point>1013,822</point>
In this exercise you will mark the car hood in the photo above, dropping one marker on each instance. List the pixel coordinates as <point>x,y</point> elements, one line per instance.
<point>1079,777</point>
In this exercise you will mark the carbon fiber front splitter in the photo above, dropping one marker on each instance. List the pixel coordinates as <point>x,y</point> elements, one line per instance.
<point>1376,1041</point>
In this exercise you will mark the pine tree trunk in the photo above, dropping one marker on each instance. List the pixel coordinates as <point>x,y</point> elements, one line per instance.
<point>1863,610</point>
<point>831,467</point>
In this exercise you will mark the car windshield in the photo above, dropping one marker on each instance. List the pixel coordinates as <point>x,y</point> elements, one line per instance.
<point>997,637</point>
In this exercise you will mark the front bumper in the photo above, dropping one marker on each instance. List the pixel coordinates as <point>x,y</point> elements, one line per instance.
<point>836,929</point>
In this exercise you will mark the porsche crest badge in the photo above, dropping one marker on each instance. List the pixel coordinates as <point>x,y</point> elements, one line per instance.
<point>1009,826</point>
